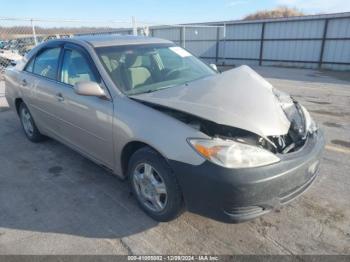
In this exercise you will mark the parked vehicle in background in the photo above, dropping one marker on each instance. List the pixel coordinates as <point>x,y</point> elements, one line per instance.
<point>2,44</point>
<point>8,57</point>
<point>228,146</point>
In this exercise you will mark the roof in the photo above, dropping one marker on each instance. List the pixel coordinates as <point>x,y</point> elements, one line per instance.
<point>117,40</point>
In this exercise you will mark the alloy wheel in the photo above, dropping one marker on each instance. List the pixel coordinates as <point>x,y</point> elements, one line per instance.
<point>27,122</point>
<point>150,187</point>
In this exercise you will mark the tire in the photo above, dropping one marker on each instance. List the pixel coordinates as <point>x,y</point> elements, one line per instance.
<point>169,205</point>
<point>28,124</point>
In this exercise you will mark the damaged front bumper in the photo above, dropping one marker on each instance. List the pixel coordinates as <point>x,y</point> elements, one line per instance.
<point>238,195</point>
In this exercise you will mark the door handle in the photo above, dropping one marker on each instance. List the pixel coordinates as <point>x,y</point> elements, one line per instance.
<point>59,97</point>
<point>24,82</point>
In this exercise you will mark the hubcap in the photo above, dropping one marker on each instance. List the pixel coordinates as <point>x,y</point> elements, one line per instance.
<point>150,187</point>
<point>27,122</point>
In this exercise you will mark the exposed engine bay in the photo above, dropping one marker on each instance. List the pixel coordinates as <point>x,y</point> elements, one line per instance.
<point>284,144</point>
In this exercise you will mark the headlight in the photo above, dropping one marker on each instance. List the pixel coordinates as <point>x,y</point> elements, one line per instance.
<point>233,154</point>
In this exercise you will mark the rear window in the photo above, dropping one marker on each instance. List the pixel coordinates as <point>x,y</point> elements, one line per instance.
<point>30,65</point>
<point>46,63</point>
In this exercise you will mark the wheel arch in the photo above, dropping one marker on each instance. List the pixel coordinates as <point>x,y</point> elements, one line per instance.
<point>18,102</point>
<point>129,149</point>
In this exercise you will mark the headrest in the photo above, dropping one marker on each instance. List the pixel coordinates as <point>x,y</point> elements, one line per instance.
<point>133,60</point>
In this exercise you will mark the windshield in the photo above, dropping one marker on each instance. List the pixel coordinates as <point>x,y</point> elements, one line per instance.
<point>140,69</point>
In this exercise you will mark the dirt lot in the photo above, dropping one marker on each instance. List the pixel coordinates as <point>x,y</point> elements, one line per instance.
<point>53,201</point>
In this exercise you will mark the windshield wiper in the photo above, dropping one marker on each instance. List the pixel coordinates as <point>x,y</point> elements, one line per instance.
<point>143,92</point>
<point>151,90</point>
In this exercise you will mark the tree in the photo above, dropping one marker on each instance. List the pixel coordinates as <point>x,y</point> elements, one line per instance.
<point>275,13</point>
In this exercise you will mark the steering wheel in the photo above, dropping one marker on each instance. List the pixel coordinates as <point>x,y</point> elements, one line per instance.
<point>172,72</point>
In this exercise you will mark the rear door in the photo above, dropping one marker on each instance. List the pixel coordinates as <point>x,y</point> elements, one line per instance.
<point>39,81</point>
<point>86,120</point>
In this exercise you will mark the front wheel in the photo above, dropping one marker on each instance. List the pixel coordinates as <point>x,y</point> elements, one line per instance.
<point>154,185</point>
<point>28,124</point>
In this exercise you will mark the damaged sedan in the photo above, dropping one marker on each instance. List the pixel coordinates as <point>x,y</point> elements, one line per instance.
<point>228,146</point>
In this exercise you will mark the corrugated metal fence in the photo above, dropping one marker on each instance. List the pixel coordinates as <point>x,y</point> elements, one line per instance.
<point>321,41</point>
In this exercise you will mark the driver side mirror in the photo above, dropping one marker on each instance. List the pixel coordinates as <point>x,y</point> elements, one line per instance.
<point>213,66</point>
<point>89,88</point>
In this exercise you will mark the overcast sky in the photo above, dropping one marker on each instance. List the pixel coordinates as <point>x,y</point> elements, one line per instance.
<point>159,11</point>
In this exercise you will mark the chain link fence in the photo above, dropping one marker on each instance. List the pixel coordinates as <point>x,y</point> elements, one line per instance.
<point>19,36</point>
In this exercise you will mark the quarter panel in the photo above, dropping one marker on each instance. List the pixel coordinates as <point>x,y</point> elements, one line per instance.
<point>11,87</point>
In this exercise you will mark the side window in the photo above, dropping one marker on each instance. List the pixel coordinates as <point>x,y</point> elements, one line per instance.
<point>75,68</point>
<point>30,65</point>
<point>46,63</point>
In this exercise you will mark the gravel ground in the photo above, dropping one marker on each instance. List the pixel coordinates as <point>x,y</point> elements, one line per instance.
<point>54,201</point>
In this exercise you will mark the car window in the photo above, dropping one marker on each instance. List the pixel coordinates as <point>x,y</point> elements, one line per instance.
<point>30,65</point>
<point>76,68</point>
<point>46,63</point>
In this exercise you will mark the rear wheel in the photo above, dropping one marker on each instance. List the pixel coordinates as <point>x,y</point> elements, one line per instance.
<point>154,185</point>
<point>28,124</point>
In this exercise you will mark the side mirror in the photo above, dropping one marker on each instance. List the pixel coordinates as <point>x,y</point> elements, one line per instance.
<point>88,88</point>
<point>214,67</point>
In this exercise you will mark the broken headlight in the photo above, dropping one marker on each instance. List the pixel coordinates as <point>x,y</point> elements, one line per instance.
<point>291,107</point>
<point>232,154</point>
<point>310,124</point>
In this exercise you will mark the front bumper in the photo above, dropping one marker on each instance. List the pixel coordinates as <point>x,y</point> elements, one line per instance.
<point>238,195</point>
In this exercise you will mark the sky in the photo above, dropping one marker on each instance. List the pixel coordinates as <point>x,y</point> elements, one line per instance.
<point>158,11</point>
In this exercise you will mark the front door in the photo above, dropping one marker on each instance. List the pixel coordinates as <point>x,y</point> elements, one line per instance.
<point>86,121</point>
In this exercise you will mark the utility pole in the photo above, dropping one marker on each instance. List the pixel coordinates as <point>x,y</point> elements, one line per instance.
<point>34,33</point>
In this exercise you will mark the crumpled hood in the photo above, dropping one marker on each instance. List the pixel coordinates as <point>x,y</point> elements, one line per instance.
<point>239,98</point>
